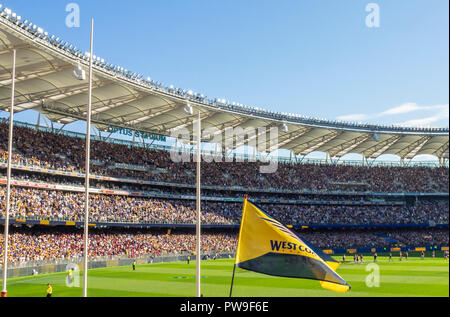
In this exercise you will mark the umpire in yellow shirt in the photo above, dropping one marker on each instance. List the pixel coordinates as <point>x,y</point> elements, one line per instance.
<point>49,290</point>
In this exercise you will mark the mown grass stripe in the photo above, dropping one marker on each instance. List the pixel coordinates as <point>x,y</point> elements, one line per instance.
<point>429,277</point>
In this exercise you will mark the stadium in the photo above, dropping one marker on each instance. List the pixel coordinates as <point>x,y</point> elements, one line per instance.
<point>142,204</point>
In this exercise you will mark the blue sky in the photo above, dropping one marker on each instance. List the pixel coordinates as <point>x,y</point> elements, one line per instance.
<point>316,58</point>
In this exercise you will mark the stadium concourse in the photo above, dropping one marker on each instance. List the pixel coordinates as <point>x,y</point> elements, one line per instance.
<point>142,203</point>
<point>333,206</point>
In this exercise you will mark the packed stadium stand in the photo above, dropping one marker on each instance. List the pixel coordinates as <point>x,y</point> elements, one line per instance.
<point>142,203</point>
<point>339,207</point>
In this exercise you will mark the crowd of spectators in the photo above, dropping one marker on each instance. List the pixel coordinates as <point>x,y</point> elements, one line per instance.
<point>62,152</point>
<point>376,238</point>
<point>57,151</point>
<point>52,179</point>
<point>65,205</point>
<point>51,244</point>
<point>61,205</point>
<point>422,212</point>
<point>41,245</point>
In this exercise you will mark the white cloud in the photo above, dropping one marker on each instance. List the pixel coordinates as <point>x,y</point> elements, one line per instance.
<point>428,115</point>
<point>420,122</point>
<point>442,114</point>
<point>404,108</point>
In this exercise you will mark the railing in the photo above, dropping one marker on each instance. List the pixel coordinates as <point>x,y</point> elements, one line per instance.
<point>70,260</point>
<point>48,221</point>
<point>100,223</point>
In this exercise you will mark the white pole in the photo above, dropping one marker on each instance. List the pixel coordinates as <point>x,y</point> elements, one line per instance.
<point>199,158</point>
<point>4,292</point>
<point>88,149</point>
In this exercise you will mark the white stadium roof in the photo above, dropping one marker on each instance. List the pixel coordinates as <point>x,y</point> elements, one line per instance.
<point>121,98</point>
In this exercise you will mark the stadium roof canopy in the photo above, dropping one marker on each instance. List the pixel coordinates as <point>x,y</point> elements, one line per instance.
<point>121,98</point>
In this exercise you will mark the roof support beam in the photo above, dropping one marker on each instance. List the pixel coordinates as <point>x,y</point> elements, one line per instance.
<point>411,150</point>
<point>56,94</point>
<point>114,103</point>
<point>23,73</point>
<point>255,136</point>
<point>231,124</point>
<point>442,149</point>
<point>310,146</point>
<point>381,147</point>
<point>327,138</point>
<point>291,138</point>
<point>344,148</point>
<point>248,124</point>
<point>190,120</point>
<point>9,48</point>
<point>152,114</point>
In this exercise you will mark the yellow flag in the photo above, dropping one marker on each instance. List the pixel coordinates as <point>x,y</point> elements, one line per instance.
<point>266,246</point>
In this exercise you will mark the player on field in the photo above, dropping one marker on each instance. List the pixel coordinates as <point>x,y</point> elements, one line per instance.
<point>375,257</point>
<point>400,255</point>
<point>390,256</point>
<point>422,255</point>
<point>134,265</point>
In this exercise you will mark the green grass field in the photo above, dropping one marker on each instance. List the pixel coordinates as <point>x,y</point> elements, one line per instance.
<point>415,277</point>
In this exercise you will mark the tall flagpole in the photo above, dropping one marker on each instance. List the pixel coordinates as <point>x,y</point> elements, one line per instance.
<point>199,158</point>
<point>88,149</point>
<point>4,292</point>
<point>237,247</point>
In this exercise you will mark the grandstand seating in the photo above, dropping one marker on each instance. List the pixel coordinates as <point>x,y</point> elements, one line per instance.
<point>51,150</point>
<point>40,244</point>
<point>302,195</point>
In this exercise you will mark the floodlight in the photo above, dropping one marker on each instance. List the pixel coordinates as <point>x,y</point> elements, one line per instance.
<point>79,73</point>
<point>188,109</point>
